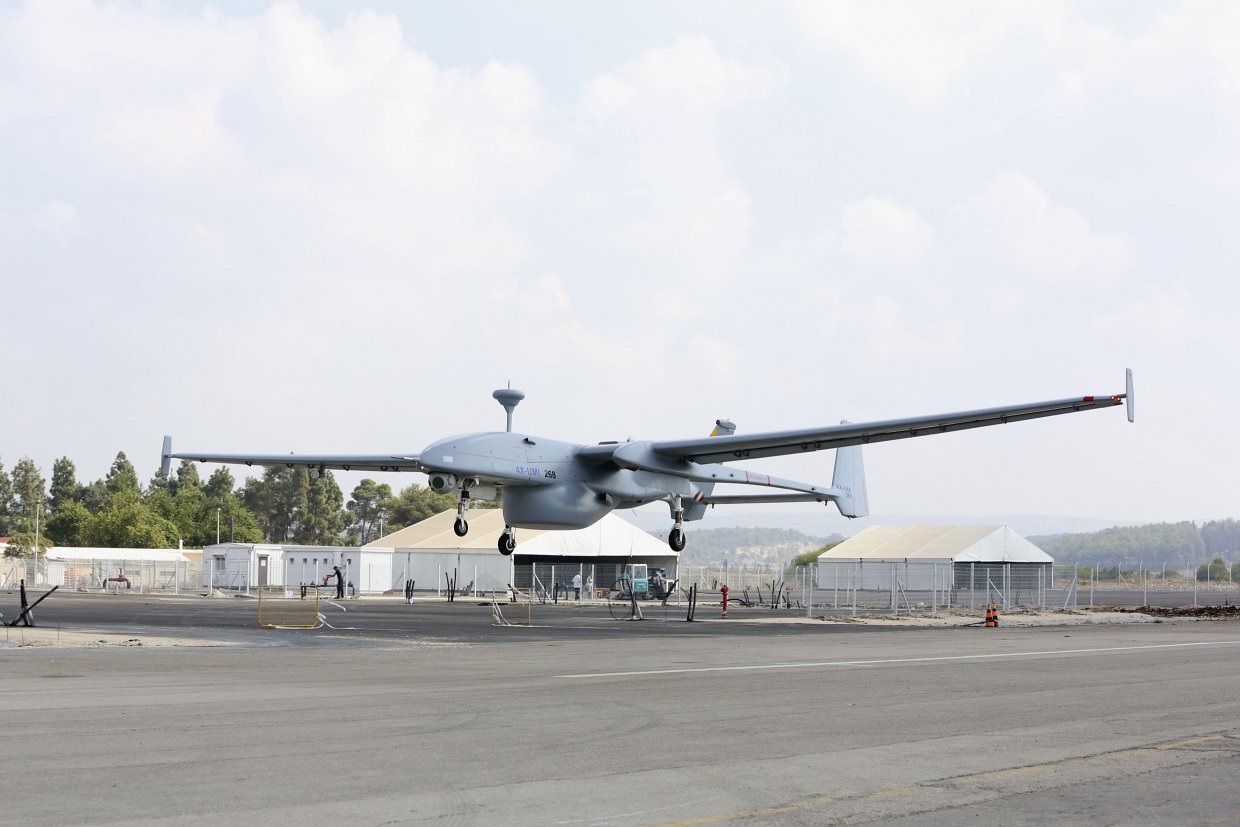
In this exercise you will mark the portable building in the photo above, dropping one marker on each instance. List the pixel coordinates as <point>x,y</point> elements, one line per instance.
<point>249,565</point>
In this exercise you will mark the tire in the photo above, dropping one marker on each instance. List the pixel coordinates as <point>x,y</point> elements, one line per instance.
<point>507,544</point>
<point>460,527</point>
<point>676,540</point>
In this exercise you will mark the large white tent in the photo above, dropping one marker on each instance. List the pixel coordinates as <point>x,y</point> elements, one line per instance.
<point>428,550</point>
<point>932,557</point>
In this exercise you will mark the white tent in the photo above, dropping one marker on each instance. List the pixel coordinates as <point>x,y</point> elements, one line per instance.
<point>931,556</point>
<point>428,550</point>
<point>137,568</point>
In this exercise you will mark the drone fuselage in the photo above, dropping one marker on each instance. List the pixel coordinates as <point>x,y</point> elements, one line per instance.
<point>544,483</point>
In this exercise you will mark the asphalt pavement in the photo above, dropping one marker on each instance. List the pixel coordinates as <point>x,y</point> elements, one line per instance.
<point>429,714</point>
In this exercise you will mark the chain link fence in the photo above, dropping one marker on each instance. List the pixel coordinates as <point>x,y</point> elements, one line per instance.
<point>101,575</point>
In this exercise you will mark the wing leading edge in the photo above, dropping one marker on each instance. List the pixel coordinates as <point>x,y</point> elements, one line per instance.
<point>779,443</point>
<point>336,462</point>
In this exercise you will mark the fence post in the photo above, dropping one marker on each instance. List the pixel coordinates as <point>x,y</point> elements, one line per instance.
<point>972,587</point>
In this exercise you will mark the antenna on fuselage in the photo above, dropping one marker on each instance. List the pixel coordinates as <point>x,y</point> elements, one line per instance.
<point>509,399</point>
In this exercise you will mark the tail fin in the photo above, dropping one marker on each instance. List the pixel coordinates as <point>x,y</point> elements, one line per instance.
<point>697,509</point>
<point>165,459</point>
<point>849,480</point>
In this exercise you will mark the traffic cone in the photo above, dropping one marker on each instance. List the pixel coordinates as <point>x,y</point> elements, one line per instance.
<point>991,616</point>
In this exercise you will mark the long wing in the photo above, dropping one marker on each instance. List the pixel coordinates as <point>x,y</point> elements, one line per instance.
<point>778,443</point>
<point>340,462</point>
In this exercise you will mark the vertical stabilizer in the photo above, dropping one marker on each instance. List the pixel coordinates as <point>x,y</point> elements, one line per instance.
<point>849,480</point>
<point>696,509</point>
<point>165,458</point>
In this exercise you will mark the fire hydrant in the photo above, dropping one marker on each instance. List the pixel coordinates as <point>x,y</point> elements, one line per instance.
<point>724,592</point>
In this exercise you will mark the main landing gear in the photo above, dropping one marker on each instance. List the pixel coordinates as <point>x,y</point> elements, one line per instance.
<point>677,538</point>
<point>507,541</point>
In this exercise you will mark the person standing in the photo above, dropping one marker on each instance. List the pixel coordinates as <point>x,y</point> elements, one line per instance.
<point>339,583</point>
<point>577,586</point>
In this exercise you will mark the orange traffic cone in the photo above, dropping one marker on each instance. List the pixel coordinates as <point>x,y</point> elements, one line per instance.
<point>992,616</point>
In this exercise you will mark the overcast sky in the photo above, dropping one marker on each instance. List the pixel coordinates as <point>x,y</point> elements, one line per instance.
<point>336,228</point>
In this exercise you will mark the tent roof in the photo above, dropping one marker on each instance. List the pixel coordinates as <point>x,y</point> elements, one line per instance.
<point>957,543</point>
<point>158,555</point>
<point>611,536</point>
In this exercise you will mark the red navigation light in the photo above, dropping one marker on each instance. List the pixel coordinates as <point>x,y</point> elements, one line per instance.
<point>1089,399</point>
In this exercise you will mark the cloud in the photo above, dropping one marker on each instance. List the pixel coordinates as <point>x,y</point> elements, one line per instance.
<point>54,217</point>
<point>924,52</point>
<point>1013,228</point>
<point>685,81</point>
<point>879,229</point>
<point>653,125</point>
<point>278,121</point>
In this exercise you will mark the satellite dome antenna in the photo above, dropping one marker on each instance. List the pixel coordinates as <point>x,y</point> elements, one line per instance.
<point>509,399</point>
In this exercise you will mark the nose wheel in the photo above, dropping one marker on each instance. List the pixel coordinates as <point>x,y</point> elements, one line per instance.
<point>507,541</point>
<point>460,527</point>
<point>676,540</point>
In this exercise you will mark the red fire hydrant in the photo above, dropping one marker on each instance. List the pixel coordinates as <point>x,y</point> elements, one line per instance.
<point>724,592</point>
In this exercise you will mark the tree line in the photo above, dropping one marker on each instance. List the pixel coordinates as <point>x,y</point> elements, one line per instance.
<point>284,505</point>
<point>1154,544</point>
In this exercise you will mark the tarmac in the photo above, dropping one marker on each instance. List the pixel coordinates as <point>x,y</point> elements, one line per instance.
<point>188,713</point>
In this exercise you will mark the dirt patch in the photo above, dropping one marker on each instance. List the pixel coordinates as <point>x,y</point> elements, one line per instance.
<point>1178,611</point>
<point>40,637</point>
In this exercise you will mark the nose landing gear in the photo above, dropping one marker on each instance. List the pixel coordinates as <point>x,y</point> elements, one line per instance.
<point>507,541</point>
<point>461,527</point>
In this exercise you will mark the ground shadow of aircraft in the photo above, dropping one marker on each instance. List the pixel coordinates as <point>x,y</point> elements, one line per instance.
<point>547,484</point>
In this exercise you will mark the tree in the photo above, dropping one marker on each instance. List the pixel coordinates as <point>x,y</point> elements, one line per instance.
<point>6,501</point>
<point>65,488</point>
<point>28,493</point>
<point>325,516</point>
<point>122,476</point>
<point>1221,536</point>
<point>415,503</point>
<point>810,557</point>
<point>187,476</point>
<point>95,496</point>
<point>23,544</point>
<point>369,507</point>
<point>279,500</point>
<point>127,522</point>
<point>67,524</point>
<point>220,485</point>
<point>1215,571</point>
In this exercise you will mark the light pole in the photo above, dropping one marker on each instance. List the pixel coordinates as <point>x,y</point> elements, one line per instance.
<point>217,526</point>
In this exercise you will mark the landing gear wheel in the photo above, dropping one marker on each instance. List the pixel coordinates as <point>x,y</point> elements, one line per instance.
<point>507,543</point>
<point>460,527</point>
<point>676,540</point>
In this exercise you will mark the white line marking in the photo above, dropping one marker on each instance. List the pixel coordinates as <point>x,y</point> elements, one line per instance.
<point>900,660</point>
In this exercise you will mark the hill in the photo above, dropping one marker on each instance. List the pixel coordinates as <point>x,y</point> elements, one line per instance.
<point>747,545</point>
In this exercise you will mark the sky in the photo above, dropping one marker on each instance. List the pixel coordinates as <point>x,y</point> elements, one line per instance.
<point>336,227</point>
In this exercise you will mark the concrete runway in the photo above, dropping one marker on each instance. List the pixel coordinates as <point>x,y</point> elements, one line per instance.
<point>427,714</point>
